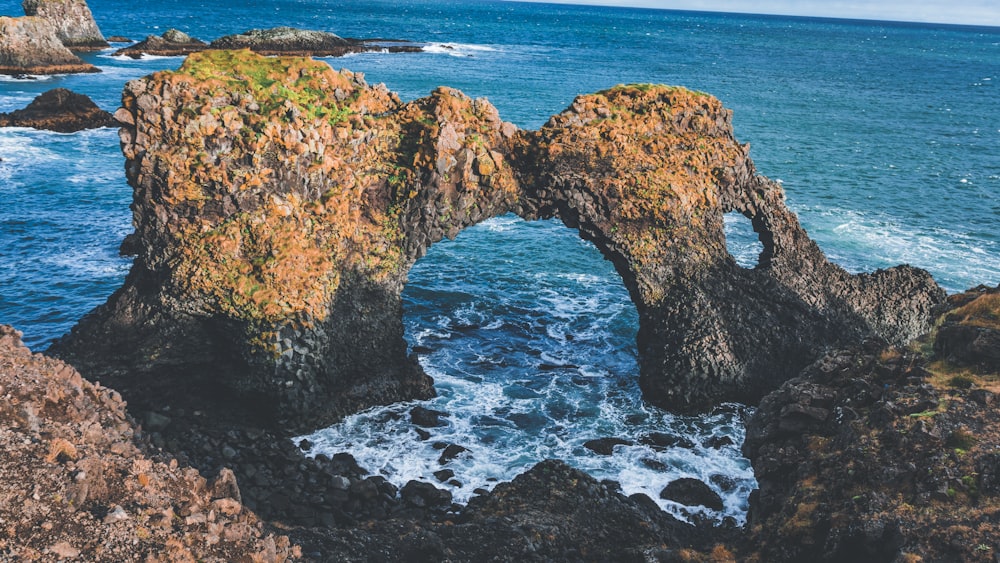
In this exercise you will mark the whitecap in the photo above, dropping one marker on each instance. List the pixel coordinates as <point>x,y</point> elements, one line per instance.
<point>458,49</point>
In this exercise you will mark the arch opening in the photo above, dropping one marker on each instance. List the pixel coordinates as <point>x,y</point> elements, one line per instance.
<point>530,336</point>
<point>742,242</point>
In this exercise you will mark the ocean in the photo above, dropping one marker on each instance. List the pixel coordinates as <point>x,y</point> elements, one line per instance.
<point>886,137</point>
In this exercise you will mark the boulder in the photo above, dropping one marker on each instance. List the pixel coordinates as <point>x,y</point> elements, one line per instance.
<point>172,43</point>
<point>427,418</point>
<point>59,110</point>
<point>72,20</point>
<point>605,446</point>
<point>29,45</point>
<point>691,492</point>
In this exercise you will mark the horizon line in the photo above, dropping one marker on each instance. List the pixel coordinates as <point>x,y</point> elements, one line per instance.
<point>642,4</point>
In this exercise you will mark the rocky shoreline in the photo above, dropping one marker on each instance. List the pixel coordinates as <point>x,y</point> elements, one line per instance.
<point>278,206</point>
<point>873,453</point>
<point>275,41</point>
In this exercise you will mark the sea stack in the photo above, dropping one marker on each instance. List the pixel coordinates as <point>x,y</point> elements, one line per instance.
<point>29,45</point>
<point>59,110</point>
<point>72,20</point>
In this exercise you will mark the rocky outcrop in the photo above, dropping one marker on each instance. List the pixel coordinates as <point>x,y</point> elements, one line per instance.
<point>969,334</point>
<point>274,41</point>
<point>303,42</point>
<point>278,206</point>
<point>72,20</point>
<point>872,454</point>
<point>59,110</point>
<point>74,483</point>
<point>173,43</point>
<point>29,45</point>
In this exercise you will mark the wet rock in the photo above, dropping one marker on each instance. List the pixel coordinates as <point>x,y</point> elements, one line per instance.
<point>427,418</point>
<point>662,440</point>
<point>654,464</point>
<point>29,45</point>
<point>724,482</point>
<point>451,452</point>
<point>605,446</point>
<point>692,492</point>
<point>443,475</point>
<point>59,110</point>
<point>718,442</point>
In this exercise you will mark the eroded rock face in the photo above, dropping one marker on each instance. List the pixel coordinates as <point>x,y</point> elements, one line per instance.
<point>29,45</point>
<point>279,205</point>
<point>872,454</point>
<point>59,110</point>
<point>75,484</point>
<point>72,20</point>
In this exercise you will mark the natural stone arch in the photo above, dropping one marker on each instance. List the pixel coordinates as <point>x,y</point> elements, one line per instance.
<point>279,205</point>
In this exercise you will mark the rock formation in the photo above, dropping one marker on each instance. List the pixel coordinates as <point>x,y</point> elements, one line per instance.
<point>74,484</point>
<point>278,206</point>
<point>874,454</point>
<point>970,333</point>
<point>301,42</point>
<point>59,110</point>
<point>172,43</point>
<point>72,20</point>
<point>274,41</point>
<point>29,45</point>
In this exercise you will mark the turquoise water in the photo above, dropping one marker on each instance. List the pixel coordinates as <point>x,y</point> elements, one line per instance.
<point>885,137</point>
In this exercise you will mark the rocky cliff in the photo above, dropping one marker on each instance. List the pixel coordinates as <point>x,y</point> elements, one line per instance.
<point>877,453</point>
<point>278,206</point>
<point>72,20</point>
<point>74,483</point>
<point>29,45</point>
<point>59,110</point>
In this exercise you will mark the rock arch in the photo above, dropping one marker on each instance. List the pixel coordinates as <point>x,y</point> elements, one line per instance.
<point>278,206</point>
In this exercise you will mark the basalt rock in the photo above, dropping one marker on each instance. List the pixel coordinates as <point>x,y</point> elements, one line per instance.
<point>29,45</point>
<point>869,455</point>
<point>59,110</point>
<point>72,20</point>
<point>172,43</point>
<point>969,334</point>
<point>279,205</point>
<point>303,42</point>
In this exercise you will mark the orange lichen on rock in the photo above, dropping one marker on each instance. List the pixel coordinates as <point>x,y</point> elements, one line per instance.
<point>279,205</point>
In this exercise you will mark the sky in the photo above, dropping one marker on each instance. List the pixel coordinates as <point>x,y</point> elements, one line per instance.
<point>966,12</point>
